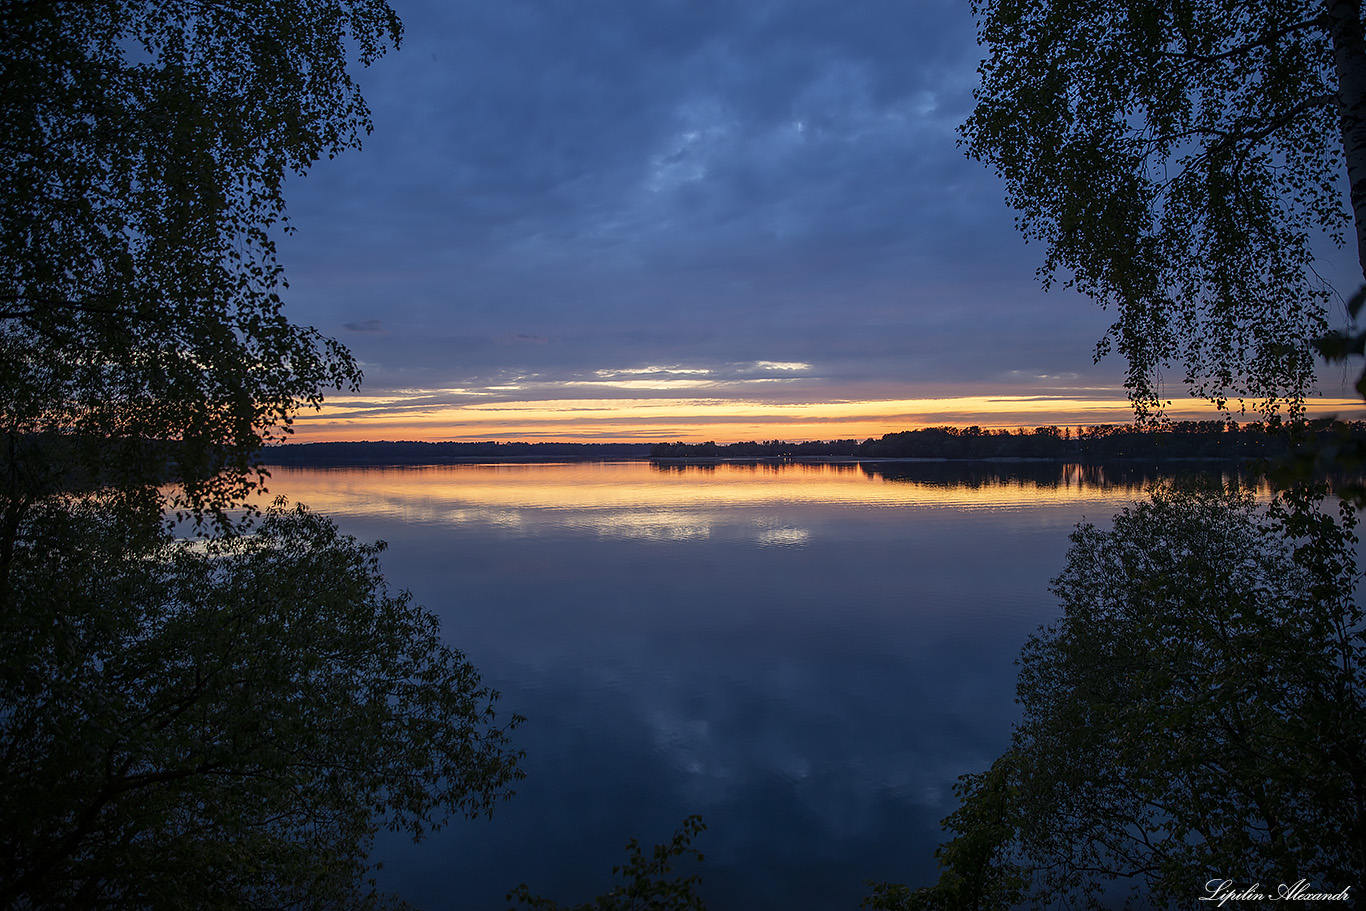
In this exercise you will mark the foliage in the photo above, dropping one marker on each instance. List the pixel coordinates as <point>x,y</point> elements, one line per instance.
<point>979,871</point>
<point>145,145</point>
<point>1332,450</point>
<point>645,886</point>
<point>224,725</point>
<point>1179,160</point>
<point>1199,711</point>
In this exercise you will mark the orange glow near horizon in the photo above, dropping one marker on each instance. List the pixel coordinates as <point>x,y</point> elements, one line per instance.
<point>725,421</point>
<point>638,499</point>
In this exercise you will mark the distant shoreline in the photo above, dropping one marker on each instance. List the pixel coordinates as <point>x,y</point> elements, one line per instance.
<point>800,460</point>
<point>422,453</point>
<point>1205,441</point>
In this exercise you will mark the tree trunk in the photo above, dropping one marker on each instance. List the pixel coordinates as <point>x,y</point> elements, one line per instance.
<point>1349,58</point>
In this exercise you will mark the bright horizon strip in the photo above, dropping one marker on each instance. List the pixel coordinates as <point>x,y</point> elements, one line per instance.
<point>399,417</point>
<point>634,500</point>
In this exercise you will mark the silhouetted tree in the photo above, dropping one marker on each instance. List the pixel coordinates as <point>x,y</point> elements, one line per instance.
<point>145,149</point>
<point>1197,713</point>
<point>646,882</point>
<point>1178,161</point>
<point>223,725</point>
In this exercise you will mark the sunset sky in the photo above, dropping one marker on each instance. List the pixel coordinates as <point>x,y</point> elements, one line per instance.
<point>694,220</point>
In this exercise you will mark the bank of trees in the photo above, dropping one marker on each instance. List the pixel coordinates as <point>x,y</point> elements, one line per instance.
<point>424,453</point>
<point>223,724</point>
<point>1173,440</point>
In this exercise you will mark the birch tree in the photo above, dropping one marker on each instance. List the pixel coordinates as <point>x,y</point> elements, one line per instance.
<point>144,146</point>
<point>224,725</point>
<point>1183,162</point>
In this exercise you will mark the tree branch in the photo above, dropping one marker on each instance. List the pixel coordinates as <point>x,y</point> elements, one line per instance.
<point>29,305</point>
<point>1264,41</point>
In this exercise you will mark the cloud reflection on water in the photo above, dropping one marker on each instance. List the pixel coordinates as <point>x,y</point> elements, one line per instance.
<point>807,655</point>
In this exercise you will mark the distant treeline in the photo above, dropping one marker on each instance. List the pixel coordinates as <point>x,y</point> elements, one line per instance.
<point>1179,440</point>
<point>419,453</point>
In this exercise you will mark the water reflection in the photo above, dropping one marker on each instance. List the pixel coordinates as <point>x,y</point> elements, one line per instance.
<point>808,655</point>
<point>608,496</point>
<point>1127,478</point>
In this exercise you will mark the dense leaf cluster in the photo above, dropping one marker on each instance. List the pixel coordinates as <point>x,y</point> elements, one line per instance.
<point>223,725</point>
<point>1197,713</point>
<point>220,724</point>
<point>143,149</point>
<point>647,883</point>
<point>1179,161</point>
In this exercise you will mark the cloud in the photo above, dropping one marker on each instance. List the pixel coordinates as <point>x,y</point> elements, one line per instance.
<point>636,198</point>
<point>651,370</point>
<point>721,139</point>
<point>781,366</point>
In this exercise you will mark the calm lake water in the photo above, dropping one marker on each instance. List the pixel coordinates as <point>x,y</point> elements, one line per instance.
<point>808,656</point>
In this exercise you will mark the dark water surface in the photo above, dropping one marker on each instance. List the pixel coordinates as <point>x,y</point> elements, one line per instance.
<point>808,656</point>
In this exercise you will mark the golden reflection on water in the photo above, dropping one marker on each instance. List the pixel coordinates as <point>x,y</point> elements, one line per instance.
<point>682,501</point>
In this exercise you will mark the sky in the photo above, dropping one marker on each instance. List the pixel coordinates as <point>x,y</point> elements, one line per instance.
<point>682,220</point>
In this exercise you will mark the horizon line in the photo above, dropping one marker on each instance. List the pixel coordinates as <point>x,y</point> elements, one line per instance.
<point>1021,429</point>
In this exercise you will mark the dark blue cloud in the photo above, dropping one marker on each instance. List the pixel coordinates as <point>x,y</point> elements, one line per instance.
<point>559,188</point>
